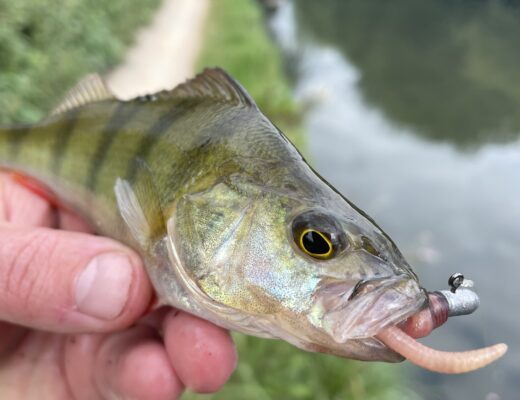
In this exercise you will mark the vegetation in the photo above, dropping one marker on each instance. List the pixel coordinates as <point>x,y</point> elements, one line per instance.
<point>55,43</point>
<point>236,39</point>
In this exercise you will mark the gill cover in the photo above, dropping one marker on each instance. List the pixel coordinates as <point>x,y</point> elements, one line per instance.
<point>229,243</point>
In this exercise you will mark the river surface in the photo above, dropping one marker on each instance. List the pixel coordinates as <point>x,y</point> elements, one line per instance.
<point>413,112</point>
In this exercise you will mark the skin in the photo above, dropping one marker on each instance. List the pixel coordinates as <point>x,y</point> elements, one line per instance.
<point>124,357</point>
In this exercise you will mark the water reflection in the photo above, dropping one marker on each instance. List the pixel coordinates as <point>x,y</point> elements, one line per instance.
<point>448,210</point>
<point>447,69</point>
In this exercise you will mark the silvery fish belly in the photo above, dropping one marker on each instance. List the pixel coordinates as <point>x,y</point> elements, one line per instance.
<point>233,224</point>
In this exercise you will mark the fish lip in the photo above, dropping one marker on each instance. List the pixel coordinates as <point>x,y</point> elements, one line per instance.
<point>383,302</point>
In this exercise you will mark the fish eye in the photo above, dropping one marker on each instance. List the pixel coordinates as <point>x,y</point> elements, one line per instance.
<point>318,235</point>
<point>315,243</point>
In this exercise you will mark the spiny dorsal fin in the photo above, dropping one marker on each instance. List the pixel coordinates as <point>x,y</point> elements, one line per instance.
<point>90,89</point>
<point>212,84</point>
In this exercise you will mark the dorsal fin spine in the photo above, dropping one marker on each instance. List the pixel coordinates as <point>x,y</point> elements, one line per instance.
<point>90,89</point>
<point>212,84</point>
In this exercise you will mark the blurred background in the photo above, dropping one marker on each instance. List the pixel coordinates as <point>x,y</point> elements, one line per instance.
<point>410,108</point>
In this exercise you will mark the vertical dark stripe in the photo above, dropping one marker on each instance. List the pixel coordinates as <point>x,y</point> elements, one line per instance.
<point>63,135</point>
<point>147,142</point>
<point>121,117</point>
<point>16,136</point>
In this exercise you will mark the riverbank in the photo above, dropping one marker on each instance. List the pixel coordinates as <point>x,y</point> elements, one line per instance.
<point>165,52</point>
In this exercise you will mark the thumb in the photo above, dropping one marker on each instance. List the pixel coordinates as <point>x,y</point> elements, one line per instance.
<point>69,282</point>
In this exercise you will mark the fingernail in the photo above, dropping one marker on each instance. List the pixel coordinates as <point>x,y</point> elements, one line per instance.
<point>102,288</point>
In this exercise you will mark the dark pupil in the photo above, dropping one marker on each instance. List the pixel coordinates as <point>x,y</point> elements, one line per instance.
<point>314,243</point>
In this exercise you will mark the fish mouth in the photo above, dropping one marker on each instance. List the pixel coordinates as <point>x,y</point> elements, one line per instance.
<point>379,320</point>
<point>360,310</point>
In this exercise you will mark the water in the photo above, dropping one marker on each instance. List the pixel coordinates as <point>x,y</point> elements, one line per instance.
<point>412,112</point>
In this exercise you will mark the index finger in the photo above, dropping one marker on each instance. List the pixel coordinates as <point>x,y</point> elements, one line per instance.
<point>21,205</point>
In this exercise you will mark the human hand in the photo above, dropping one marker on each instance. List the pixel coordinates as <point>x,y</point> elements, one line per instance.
<point>57,286</point>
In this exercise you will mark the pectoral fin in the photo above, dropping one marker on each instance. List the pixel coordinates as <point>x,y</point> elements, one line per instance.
<point>140,206</point>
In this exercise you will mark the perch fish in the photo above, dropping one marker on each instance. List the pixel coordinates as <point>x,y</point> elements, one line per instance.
<point>232,223</point>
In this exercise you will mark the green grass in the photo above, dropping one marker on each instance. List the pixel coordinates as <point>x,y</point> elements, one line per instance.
<point>236,39</point>
<point>47,45</point>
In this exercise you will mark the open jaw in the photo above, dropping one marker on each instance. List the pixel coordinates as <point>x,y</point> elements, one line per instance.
<point>401,339</point>
<point>387,315</point>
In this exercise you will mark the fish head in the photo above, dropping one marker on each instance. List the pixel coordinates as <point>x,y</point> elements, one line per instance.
<point>292,259</point>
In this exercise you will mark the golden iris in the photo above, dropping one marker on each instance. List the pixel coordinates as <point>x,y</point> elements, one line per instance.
<point>316,244</point>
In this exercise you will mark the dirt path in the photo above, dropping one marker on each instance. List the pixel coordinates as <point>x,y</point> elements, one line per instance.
<point>165,52</point>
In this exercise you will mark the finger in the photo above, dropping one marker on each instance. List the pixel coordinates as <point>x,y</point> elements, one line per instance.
<point>22,206</point>
<point>155,318</point>
<point>72,222</point>
<point>69,282</point>
<point>11,335</point>
<point>203,355</point>
<point>33,370</point>
<point>130,364</point>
